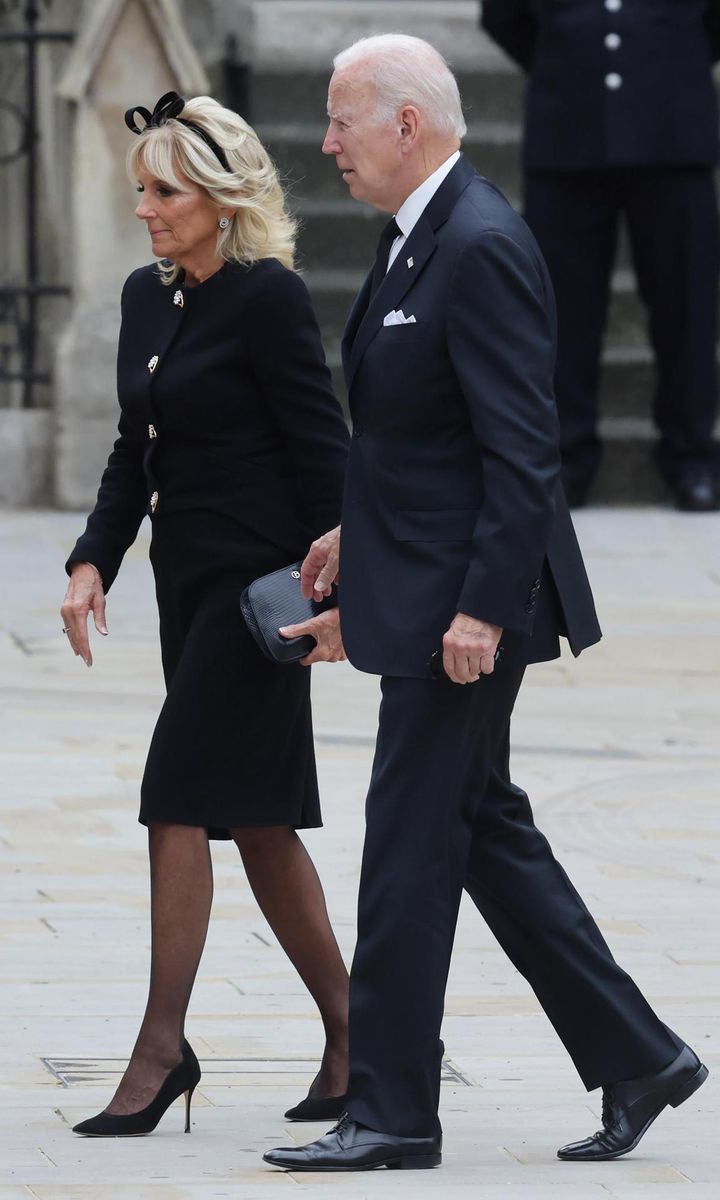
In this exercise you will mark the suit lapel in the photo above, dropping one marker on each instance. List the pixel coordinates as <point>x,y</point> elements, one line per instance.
<point>364,323</point>
<point>357,312</point>
<point>407,267</point>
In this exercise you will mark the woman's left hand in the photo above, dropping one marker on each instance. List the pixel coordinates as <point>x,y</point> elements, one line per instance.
<point>325,628</point>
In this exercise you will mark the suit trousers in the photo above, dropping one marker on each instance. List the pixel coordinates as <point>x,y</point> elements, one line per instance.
<point>672,224</point>
<point>442,814</point>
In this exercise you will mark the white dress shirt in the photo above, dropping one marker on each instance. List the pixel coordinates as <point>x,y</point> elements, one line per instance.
<point>411,211</point>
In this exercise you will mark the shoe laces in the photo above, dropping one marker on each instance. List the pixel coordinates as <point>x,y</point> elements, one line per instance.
<point>342,1124</point>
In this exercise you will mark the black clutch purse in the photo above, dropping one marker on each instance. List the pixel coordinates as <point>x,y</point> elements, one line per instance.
<point>276,600</point>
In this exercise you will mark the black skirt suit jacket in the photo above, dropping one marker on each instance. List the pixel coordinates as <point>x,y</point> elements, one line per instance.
<point>226,407</point>
<point>232,441</point>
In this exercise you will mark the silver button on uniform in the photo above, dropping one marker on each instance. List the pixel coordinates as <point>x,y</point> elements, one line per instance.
<point>613,41</point>
<point>613,81</point>
<point>613,5</point>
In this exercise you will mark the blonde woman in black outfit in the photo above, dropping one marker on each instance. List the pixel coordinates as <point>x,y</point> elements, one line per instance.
<point>231,440</point>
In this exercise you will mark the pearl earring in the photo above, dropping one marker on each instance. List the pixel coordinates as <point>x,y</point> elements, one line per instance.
<point>224,222</point>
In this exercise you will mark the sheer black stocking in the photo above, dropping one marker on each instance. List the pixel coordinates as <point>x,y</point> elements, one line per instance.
<point>288,890</point>
<point>181,897</point>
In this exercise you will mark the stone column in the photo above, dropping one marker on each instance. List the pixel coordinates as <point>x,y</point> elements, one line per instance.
<point>127,52</point>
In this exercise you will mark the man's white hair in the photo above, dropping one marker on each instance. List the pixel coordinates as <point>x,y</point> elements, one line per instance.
<point>407,70</point>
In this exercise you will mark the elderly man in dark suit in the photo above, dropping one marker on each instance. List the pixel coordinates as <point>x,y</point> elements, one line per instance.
<point>622,119</point>
<point>456,542</point>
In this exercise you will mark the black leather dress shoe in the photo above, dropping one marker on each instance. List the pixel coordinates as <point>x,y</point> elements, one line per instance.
<point>697,492</point>
<point>353,1147</point>
<point>317,1110</point>
<point>629,1108</point>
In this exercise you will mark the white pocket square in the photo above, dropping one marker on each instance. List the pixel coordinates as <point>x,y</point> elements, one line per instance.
<point>398,318</point>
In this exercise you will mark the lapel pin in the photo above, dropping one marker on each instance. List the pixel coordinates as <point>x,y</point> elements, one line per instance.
<point>153,363</point>
<point>411,262</point>
<point>179,299</point>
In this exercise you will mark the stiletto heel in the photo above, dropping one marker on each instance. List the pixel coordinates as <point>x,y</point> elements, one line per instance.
<point>188,1101</point>
<point>317,1110</point>
<point>182,1080</point>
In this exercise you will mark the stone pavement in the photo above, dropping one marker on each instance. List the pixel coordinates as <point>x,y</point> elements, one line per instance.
<point>620,753</point>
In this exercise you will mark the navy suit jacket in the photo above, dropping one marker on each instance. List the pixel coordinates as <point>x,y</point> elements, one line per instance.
<point>452,496</point>
<point>664,113</point>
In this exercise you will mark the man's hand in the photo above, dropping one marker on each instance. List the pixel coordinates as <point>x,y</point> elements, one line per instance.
<point>469,649</point>
<point>325,628</point>
<point>84,595</point>
<point>320,568</point>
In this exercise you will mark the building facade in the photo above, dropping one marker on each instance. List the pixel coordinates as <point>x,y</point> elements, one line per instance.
<point>68,237</point>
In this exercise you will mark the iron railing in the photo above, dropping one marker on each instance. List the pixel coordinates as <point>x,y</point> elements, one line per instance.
<point>20,300</point>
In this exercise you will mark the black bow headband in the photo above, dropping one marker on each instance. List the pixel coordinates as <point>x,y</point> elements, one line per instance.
<point>169,107</point>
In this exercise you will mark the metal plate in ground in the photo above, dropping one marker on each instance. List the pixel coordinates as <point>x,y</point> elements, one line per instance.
<point>75,1072</point>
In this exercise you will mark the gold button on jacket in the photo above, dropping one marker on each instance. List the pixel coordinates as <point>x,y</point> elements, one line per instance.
<point>229,440</point>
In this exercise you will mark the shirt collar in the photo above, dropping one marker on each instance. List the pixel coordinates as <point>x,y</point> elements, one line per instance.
<point>410,212</point>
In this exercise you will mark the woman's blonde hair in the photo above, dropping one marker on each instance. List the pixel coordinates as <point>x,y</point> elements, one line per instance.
<point>260,226</point>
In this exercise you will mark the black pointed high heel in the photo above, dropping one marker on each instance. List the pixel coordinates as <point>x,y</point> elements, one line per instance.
<point>182,1080</point>
<point>317,1110</point>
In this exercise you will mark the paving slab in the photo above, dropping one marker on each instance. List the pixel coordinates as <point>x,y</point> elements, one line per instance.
<point>620,753</point>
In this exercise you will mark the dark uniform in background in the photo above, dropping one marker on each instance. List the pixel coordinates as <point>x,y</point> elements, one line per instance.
<point>622,118</point>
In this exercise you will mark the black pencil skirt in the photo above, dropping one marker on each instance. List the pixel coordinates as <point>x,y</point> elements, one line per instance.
<point>233,745</point>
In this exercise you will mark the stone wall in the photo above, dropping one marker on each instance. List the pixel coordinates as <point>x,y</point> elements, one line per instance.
<point>284,33</point>
<point>88,238</point>
<point>130,51</point>
<point>137,44</point>
<point>127,50</point>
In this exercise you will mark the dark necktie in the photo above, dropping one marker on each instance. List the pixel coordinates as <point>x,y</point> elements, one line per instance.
<point>391,231</point>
